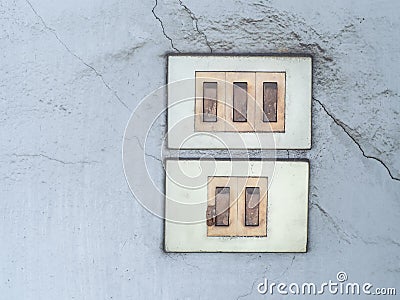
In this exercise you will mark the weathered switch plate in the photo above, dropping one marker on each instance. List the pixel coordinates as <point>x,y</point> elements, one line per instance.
<point>200,192</point>
<point>237,206</point>
<point>239,102</point>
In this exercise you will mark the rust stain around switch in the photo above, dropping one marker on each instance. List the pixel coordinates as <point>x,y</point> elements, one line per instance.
<point>211,215</point>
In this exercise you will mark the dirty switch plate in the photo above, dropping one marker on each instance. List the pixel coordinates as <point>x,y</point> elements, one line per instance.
<point>239,102</point>
<point>198,190</point>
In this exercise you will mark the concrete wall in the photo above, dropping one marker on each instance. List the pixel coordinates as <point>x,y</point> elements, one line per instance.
<point>71,72</point>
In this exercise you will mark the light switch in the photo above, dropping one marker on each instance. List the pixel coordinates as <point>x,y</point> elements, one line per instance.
<point>240,102</point>
<point>221,212</point>
<point>247,102</point>
<point>270,99</point>
<point>236,206</point>
<point>210,101</point>
<point>252,205</point>
<point>222,206</point>
<point>270,96</point>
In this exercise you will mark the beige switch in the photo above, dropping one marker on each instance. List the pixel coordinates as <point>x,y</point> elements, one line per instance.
<point>240,101</point>
<point>221,206</point>
<point>252,212</point>
<point>252,206</point>
<point>210,101</point>
<point>270,98</point>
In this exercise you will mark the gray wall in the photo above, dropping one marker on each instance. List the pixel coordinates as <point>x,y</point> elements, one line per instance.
<point>71,72</point>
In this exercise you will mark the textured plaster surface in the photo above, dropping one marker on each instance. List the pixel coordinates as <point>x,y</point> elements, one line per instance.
<point>72,72</point>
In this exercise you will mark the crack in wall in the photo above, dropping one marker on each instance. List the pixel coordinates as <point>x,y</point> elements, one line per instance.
<point>248,293</point>
<point>162,26</point>
<point>55,159</point>
<point>53,31</point>
<point>347,130</point>
<point>172,256</point>
<point>354,235</point>
<point>379,241</point>
<point>196,24</point>
<point>142,147</point>
<point>338,229</point>
<point>153,156</point>
<point>287,268</point>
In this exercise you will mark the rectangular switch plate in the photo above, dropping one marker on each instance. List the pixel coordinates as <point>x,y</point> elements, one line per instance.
<point>189,184</point>
<point>278,87</point>
<point>236,193</point>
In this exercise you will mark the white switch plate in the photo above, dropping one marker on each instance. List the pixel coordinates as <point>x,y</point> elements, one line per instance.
<point>186,204</point>
<point>181,102</point>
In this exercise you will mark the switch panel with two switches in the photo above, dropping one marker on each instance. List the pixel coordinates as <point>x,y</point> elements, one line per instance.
<point>237,206</point>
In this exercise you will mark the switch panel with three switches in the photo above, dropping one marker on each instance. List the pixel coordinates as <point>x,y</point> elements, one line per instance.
<point>240,101</point>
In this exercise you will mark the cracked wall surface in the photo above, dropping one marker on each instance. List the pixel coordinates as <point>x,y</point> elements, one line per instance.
<point>73,71</point>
